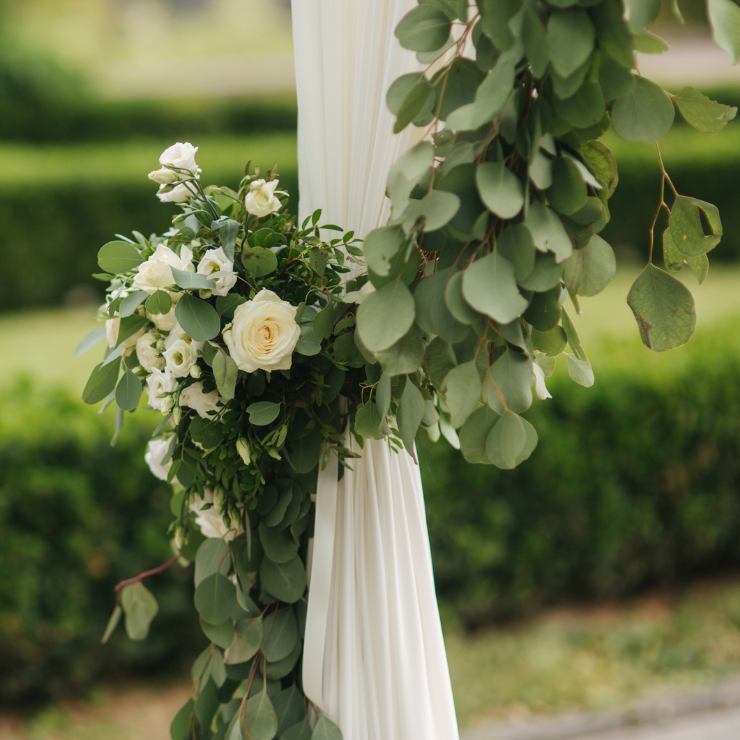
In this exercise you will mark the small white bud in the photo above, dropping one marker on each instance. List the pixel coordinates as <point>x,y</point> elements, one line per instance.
<point>242,447</point>
<point>195,371</point>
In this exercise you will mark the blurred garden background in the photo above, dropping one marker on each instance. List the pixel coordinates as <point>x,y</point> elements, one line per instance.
<point>605,567</point>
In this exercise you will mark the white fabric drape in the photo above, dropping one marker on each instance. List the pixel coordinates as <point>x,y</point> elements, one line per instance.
<point>375,659</point>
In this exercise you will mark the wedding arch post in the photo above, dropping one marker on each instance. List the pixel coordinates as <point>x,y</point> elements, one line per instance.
<point>374,658</point>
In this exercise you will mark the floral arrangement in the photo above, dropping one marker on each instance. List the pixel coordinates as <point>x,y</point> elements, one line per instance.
<point>266,347</point>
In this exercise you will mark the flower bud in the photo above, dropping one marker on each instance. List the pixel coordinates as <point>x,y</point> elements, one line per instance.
<point>176,414</point>
<point>205,294</point>
<point>242,447</point>
<point>195,372</point>
<point>163,176</point>
<point>179,538</point>
<point>166,405</point>
<point>219,497</point>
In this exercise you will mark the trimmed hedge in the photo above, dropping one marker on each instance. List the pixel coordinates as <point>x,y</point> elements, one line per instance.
<point>634,484</point>
<point>77,517</point>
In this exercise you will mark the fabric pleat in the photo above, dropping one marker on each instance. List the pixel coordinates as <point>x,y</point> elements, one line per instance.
<point>385,672</point>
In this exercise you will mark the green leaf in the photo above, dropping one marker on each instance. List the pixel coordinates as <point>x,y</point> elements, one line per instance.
<point>308,344</point>
<point>259,261</point>
<point>383,394</point>
<point>285,581</point>
<point>367,421</point>
<point>601,162</point>
<point>318,258</point>
<point>159,302</point>
<point>649,43</point>
<point>323,322</point>
<point>674,260</point>
<point>119,257</point>
<point>140,608</point>
<point>410,414</point>
<point>128,392</point>
<point>455,301</point>
<point>437,208</point>
<point>197,318</point>
<point>645,114</point>
<point>289,707</point>
<point>228,230</point>
<point>182,726</point>
<point>260,721</point>
<point>212,557</point>
<point>552,343</point>
<point>687,228</point>
<point>640,14</point>
<point>572,335</point>
<point>227,304</point>
<point>462,390</point>
<point>281,668</point>
<point>93,339</point>
<point>325,729</point>
<point>192,280</point>
<point>703,113</point>
<point>215,598</point>
<point>580,371</point>
<point>724,17</point>
<point>489,286</point>
<point>425,28</point>
<point>536,43</point>
<point>516,245</point>
<point>499,189</point>
<point>282,634</point>
<point>405,356</point>
<point>102,381</point>
<point>131,302</point>
<point>474,434</point>
<point>381,247</point>
<point>206,705</point>
<point>280,546</point>
<point>589,270</point>
<point>664,309</point>
<point>400,90</point>
<point>544,310</point>
<point>129,326</point>
<point>413,104</point>
<point>513,376</point>
<point>248,638</point>
<point>115,618</point>
<point>225,373</point>
<point>263,413</point>
<point>511,441</point>
<point>301,731</point>
<point>386,315</point>
<point>219,634</point>
<point>568,192</point>
<point>548,232</point>
<point>571,37</point>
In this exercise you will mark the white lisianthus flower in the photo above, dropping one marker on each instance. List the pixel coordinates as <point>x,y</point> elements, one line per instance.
<point>166,321</point>
<point>539,382</point>
<point>159,383</point>
<point>179,357</point>
<point>156,272</point>
<point>264,333</point>
<point>211,521</point>
<point>111,332</point>
<point>147,352</point>
<point>194,397</point>
<point>182,156</point>
<point>155,452</point>
<point>179,194</point>
<point>261,200</point>
<point>177,333</point>
<point>213,262</point>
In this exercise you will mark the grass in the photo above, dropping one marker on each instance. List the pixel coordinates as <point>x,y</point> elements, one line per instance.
<point>574,659</point>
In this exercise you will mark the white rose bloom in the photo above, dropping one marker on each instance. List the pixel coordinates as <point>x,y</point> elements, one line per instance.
<point>264,333</point>
<point>261,199</point>
<point>156,272</point>
<point>180,357</point>
<point>181,156</point>
<point>159,382</point>
<point>111,331</point>
<point>213,262</point>
<point>539,382</point>
<point>155,452</point>
<point>177,333</point>
<point>148,355</point>
<point>202,403</point>
<point>211,521</point>
<point>179,194</point>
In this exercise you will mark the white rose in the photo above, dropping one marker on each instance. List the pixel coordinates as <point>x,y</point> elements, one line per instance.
<point>155,452</point>
<point>147,352</point>
<point>159,383</point>
<point>166,321</point>
<point>213,262</point>
<point>261,199</point>
<point>163,176</point>
<point>179,357</point>
<point>211,521</point>
<point>177,333</point>
<point>264,333</point>
<point>156,272</point>
<point>111,332</point>
<point>202,403</point>
<point>179,194</point>
<point>181,156</point>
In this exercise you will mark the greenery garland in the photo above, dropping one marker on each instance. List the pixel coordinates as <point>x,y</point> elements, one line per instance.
<point>265,356</point>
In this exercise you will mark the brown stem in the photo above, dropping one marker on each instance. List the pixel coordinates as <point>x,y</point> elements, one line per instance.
<point>146,574</point>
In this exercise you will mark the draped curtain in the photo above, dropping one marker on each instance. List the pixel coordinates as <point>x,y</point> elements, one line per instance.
<point>375,660</point>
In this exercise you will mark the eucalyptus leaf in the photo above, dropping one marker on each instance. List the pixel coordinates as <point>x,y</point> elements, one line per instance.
<point>644,114</point>
<point>225,373</point>
<point>511,441</point>
<point>279,545</point>
<point>131,302</point>
<point>260,721</point>
<point>259,261</point>
<point>212,557</point>
<point>128,391</point>
<point>140,608</point>
<point>215,598</point>
<point>724,17</point>
<point>282,634</point>
<point>489,286</point>
<point>511,376</point>
<point>474,434</point>
<point>462,388</point>
<point>286,581</point>
<point>263,413</point>
<point>703,113</point>
<point>571,39</point>
<point>102,381</point>
<point>159,303</point>
<point>687,228</point>
<point>198,319</point>
<point>500,189</point>
<point>94,338</point>
<point>248,639</point>
<point>410,414</point>
<point>368,420</point>
<point>580,371</point>
<point>119,257</point>
<point>548,232</point>
<point>425,28</point>
<point>589,270</point>
<point>385,316</point>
